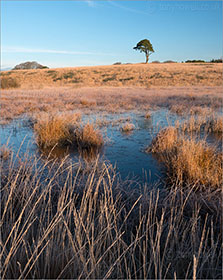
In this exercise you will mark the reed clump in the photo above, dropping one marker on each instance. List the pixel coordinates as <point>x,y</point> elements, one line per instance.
<point>165,141</point>
<point>128,127</point>
<point>188,160</point>
<point>66,130</point>
<point>88,137</point>
<point>52,130</point>
<point>58,224</point>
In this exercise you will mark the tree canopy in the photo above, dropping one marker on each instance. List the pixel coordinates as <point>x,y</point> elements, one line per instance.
<point>146,47</point>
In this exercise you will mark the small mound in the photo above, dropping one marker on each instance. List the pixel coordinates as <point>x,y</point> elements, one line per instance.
<point>128,127</point>
<point>88,137</point>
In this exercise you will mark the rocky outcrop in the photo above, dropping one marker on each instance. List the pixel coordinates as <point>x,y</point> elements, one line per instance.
<point>29,65</point>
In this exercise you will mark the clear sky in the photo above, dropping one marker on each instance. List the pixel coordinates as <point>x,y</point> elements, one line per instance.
<point>76,33</point>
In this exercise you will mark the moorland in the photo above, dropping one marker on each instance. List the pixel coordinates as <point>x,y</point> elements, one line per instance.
<point>77,215</point>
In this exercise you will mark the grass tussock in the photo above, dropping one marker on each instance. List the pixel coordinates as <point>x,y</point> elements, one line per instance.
<point>8,82</point>
<point>88,137</point>
<point>188,160</point>
<point>165,141</point>
<point>148,115</point>
<point>53,130</point>
<point>127,127</point>
<point>69,226</point>
<point>66,130</point>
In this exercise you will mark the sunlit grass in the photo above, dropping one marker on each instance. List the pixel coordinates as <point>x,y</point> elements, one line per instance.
<point>88,137</point>
<point>54,130</point>
<point>66,130</point>
<point>188,160</point>
<point>140,75</point>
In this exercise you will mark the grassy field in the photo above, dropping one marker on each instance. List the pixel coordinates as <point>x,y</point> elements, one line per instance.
<point>79,220</point>
<point>140,75</point>
<point>15,102</point>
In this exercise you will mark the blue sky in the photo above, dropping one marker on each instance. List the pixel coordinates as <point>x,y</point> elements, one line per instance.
<point>76,33</point>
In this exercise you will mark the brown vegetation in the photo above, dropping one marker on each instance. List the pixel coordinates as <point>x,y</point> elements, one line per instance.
<point>17,102</point>
<point>209,124</point>
<point>148,115</point>
<point>127,127</point>
<point>66,130</point>
<point>52,130</point>
<point>88,137</point>
<point>188,161</point>
<point>65,221</point>
<point>69,226</point>
<point>8,82</point>
<point>4,152</point>
<point>140,75</point>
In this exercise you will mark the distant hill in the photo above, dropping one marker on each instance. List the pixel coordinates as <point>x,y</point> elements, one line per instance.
<point>29,65</point>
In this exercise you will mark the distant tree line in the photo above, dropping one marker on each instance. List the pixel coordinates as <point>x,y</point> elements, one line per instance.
<point>203,61</point>
<point>220,60</point>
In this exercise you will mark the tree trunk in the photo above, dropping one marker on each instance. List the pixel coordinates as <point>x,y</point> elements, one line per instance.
<point>147,58</point>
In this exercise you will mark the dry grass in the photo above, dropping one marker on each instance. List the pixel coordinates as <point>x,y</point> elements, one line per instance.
<point>139,86</point>
<point>161,75</point>
<point>66,130</point>
<point>61,221</point>
<point>55,130</point>
<point>88,137</point>
<point>208,124</point>
<point>127,127</point>
<point>188,161</point>
<point>111,99</point>
<point>8,82</point>
<point>69,226</point>
<point>148,115</point>
<point>165,141</point>
<point>5,152</point>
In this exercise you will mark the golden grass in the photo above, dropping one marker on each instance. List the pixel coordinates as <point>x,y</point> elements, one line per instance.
<point>198,162</point>
<point>55,130</point>
<point>69,226</point>
<point>188,160</point>
<point>140,86</point>
<point>142,75</point>
<point>165,141</point>
<point>66,130</point>
<point>88,137</point>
